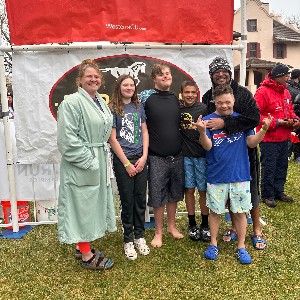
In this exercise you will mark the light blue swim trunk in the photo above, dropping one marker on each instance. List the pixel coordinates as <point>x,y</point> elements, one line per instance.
<point>239,194</point>
<point>195,173</point>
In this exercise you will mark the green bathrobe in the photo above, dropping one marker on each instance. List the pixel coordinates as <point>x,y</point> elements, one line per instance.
<point>85,204</point>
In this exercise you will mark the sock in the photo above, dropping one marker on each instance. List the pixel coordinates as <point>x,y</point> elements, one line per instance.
<point>84,247</point>
<point>192,220</point>
<point>204,223</point>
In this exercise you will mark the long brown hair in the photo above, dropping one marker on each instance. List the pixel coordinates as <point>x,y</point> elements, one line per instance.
<point>115,103</point>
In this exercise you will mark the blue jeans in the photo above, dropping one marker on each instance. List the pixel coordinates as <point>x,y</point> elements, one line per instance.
<point>274,165</point>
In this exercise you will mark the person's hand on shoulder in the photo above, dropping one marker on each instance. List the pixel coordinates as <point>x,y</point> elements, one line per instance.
<point>215,123</point>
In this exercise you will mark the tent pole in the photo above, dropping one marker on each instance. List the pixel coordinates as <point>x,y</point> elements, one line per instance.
<point>104,45</point>
<point>244,43</point>
<point>8,144</point>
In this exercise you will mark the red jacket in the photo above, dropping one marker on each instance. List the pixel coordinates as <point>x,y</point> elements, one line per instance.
<point>275,99</point>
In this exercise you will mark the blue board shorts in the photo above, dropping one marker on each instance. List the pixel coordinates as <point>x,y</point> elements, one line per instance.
<point>239,194</point>
<point>195,173</point>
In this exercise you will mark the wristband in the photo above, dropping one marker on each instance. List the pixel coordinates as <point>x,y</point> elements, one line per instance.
<point>127,164</point>
<point>264,131</point>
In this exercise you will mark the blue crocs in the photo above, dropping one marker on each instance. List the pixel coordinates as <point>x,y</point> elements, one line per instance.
<point>243,256</point>
<point>212,252</point>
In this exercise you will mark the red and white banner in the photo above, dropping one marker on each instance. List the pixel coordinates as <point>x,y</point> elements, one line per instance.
<point>171,21</point>
<point>42,79</point>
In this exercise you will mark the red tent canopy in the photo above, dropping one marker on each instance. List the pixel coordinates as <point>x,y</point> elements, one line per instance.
<point>173,21</point>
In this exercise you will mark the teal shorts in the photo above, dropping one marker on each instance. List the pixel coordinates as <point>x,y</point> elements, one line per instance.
<point>217,196</point>
<point>195,173</point>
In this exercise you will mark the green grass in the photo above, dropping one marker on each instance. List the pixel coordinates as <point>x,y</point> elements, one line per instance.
<point>39,267</point>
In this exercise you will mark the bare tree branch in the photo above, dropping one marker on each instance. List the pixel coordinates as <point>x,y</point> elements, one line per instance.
<point>4,28</point>
<point>293,19</point>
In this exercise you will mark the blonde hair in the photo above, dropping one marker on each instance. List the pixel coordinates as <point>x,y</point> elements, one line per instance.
<point>87,63</point>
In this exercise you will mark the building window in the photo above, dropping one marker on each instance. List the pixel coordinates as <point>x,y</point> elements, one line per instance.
<point>253,50</point>
<point>279,50</point>
<point>252,25</point>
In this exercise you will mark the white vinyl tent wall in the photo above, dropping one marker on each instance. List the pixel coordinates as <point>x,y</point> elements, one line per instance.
<point>84,46</point>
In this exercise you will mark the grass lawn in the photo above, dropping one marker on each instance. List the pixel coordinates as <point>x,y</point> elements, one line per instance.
<point>39,267</point>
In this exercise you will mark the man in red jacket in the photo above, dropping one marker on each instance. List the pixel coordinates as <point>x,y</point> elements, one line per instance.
<point>274,98</point>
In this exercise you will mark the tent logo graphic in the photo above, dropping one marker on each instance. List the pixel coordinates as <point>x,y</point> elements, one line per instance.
<point>139,67</point>
<point>133,70</point>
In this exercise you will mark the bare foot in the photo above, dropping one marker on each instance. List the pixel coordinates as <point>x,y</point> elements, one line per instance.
<point>258,241</point>
<point>87,256</point>
<point>157,240</point>
<point>229,236</point>
<point>175,233</point>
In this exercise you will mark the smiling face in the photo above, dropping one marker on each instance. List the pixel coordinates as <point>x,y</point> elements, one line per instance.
<point>221,76</point>
<point>189,95</point>
<point>163,80</point>
<point>127,89</point>
<point>90,81</point>
<point>282,79</point>
<point>224,104</point>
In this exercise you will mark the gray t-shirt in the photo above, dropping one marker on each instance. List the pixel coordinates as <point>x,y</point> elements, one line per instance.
<point>129,129</point>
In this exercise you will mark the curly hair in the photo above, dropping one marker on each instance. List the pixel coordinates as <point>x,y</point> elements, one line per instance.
<point>157,69</point>
<point>87,63</point>
<point>223,89</point>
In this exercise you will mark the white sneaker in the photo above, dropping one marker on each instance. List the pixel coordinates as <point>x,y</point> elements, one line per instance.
<point>141,245</point>
<point>130,251</point>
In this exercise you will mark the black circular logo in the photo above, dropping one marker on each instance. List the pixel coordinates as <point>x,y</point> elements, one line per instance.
<point>139,67</point>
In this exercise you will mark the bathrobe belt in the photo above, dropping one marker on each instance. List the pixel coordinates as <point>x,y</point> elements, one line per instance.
<point>106,148</point>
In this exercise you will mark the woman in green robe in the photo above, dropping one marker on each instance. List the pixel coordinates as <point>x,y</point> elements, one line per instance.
<point>86,204</point>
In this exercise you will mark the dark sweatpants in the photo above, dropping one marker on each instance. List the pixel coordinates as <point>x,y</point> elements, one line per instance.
<point>274,165</point>
<point>296,149</point>
<point>132,191</point>
<point>254,173</point>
